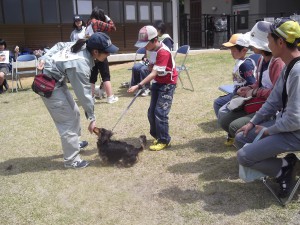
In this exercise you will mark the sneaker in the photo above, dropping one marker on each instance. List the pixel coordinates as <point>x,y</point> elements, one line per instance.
<point>287,177</point>
<point>83,144</point>
<point>229,142</point>
<point>99,92</point>
<point>76,163</point>
<point>158,146</point>
<point>146,93</point>
<point>112,99</point>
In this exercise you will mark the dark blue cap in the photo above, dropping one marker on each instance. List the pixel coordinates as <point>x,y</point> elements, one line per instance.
<point>77,18</point>
<point>102,42</point>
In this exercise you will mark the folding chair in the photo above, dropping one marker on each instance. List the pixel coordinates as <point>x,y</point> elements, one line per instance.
<point>25,64</point>
<point>287,200</point>
<point>227,88</point>
<point>183,50</point>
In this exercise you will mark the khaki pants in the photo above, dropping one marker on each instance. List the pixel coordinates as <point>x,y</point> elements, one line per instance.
<point>65,114</point>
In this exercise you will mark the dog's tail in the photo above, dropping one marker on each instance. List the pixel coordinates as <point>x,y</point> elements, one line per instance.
<point>143,141</point>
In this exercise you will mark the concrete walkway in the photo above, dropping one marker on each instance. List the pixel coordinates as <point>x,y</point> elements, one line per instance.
<point>127,57</point>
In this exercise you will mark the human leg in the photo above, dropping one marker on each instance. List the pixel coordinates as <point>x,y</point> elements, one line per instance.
<point>262,156</point>
<point>135,76</point>
<point>65,114</point>
<point>226,118</point>
<point>105,75</point>
<point>151,110</point>
<point>94,77</point>
<point>238,123</point>
<point>220,101</point>
<point>162,109</point>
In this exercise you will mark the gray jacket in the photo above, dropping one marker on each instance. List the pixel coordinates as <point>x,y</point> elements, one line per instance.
<point>60,64</point>
<point>289,119</point>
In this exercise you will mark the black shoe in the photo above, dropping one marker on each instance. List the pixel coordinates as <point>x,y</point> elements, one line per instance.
<point>83,144</point>
<point>5,84</point>
<point>287,177</point>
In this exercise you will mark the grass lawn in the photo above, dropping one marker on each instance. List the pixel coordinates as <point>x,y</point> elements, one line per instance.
<point>193,182</point>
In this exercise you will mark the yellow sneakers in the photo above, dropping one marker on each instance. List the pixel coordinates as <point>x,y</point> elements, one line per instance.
<point>229,142</point>
<point>158,146</point>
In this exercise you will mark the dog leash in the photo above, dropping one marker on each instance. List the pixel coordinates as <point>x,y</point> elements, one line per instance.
<point>125,111</point>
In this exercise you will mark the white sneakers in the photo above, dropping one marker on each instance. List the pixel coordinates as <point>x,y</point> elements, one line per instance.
<point>99,92</point>
<point>146,93</point>
<point>112,99</point>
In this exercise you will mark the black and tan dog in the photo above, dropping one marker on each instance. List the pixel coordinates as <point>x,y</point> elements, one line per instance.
<point>117,152</point>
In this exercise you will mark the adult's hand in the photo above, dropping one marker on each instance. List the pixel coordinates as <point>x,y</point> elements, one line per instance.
<point>258,128</point>
<point>41,65</point>
<point>245,129</point>
<point>92,125</point>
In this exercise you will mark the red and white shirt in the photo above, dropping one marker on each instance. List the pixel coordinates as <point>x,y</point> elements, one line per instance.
<point>164,65</point>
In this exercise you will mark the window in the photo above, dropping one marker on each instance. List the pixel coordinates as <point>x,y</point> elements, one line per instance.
<point>50,11</point>
<point>84,7</point>
<point>157,11</point>
<point>144,11</point>
<point>32,11</point>
<point>130,11</point>
<point>12,11</point>
<point>116,11</point>
<point>66,11</point>
<point>102,5</point>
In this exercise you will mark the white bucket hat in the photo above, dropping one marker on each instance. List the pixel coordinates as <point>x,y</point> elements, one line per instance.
<point>258,38</point>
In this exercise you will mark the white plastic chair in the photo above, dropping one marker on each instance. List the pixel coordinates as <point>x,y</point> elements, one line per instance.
<point>180,66</point>
<point>25,64</point>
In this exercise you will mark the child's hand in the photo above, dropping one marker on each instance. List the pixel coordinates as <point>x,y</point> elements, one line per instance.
<point>133,88</point>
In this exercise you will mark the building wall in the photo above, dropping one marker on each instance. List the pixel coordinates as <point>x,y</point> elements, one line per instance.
<point>39,23</point>
<point>216,7</point>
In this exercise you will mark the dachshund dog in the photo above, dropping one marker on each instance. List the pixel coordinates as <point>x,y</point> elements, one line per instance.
<point>117,152</point>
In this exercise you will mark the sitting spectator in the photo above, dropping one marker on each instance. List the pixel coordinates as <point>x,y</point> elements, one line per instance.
<point>5,67</point>
<point>79,29</point>
<point>268,71</point>
<point>243,71</point>
<point>282,134</point>
<point>141,69</point>
<point>162,35</point>
<point>99,22</point>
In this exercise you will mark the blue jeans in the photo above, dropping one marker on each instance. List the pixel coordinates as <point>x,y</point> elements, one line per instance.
<point>139,72</point>
<point>160,105</point>
<point>220,101</point>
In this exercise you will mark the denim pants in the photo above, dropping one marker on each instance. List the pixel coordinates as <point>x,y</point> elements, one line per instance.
<point>139,72</point>
<point>160,105</point>
<point>220,101</point>
<point>261,155</point>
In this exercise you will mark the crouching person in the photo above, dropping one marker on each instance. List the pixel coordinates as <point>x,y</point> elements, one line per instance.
<point>73,62</point>
<point>283,133</point>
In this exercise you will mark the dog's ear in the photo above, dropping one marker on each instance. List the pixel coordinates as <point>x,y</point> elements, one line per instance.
<point>96,130</point>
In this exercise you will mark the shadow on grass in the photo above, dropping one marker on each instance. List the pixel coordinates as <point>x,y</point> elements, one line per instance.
<point>17,166</point>
<point>220,167</point>
<point>210,126</point>
<point>212,145</point>
<point>223,197</point>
